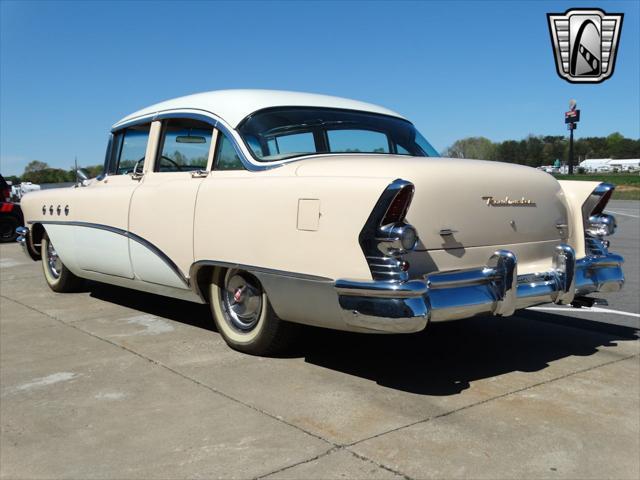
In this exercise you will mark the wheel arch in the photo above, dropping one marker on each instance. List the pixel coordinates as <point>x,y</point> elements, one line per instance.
<point>202,274</point>
<point>34,240</point>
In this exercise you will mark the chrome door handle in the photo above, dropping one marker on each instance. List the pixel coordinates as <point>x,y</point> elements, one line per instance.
<point>199,174</point>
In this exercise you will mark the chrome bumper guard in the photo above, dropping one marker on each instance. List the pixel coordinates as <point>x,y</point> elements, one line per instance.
<point>495,288</point>
<point>23,235</point>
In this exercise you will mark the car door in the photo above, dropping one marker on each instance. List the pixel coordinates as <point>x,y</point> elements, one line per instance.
<point>162,207</point>
<point>101,211</point>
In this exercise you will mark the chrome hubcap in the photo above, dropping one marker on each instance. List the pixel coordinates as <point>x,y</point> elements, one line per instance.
<point>242,299</point>
<point>53,261</point>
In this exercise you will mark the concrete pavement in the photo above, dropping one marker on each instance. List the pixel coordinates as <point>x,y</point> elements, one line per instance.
<point>111,383</point>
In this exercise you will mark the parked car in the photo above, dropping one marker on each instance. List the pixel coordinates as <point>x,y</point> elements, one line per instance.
<point>279,208</point>
<point>10,214</point>
<point>20,190</point>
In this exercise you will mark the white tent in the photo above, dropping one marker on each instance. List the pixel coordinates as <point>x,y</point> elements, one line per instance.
<point>609,164</point>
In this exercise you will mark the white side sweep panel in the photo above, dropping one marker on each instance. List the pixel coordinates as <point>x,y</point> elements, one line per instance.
<point>152,268</point>
<point>103,251</point>
<point>91,249</point>
<point>63,240</point>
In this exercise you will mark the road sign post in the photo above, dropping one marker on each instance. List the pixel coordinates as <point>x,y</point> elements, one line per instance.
<point>571,118</point>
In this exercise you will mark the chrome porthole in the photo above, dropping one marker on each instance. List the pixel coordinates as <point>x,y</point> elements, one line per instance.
<point>241,300</point>
<point>53,261</point>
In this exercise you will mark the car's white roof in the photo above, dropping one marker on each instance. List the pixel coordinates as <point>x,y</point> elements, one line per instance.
<point>234,105</point>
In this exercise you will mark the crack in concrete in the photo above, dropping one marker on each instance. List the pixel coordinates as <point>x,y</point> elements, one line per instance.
<point>487,400</point>
<point>301,462</point>
<point>335,447</point>
<point>331,451</point>
<point>176,372</point>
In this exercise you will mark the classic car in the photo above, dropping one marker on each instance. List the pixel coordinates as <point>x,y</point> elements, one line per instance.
<point>282,208</point>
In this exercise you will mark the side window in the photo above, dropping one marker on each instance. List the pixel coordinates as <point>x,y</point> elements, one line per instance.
<point>185,146</point>
<point>357,141</point>
<point>128,150</point>
<point>226,157</point>
<point>294,143</point>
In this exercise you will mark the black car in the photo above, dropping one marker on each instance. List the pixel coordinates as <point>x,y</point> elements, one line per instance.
<point>10,214</point>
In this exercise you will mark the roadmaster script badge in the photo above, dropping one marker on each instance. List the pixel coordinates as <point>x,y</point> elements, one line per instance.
<point>585,42</point>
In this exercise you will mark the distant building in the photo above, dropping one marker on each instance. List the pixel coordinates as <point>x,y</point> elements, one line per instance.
<point>610,164</point>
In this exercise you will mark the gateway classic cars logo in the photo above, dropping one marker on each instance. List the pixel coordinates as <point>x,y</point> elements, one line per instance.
<point>585,42</point>
<point>508,202</point>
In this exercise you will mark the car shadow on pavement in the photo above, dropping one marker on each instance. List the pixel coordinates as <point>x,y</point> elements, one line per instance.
<point>442,360</point>
<point>446,357</point>
<point>182,311</point>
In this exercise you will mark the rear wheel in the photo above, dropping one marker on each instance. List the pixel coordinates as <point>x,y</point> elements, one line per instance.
<point>58,276</point>
<point>8,225</point>
<point>244,317</point>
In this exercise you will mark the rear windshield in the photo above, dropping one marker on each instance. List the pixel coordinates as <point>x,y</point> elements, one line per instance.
<point>282,133</point>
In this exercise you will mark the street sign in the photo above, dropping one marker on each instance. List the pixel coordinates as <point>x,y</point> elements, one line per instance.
<point>572,116</point>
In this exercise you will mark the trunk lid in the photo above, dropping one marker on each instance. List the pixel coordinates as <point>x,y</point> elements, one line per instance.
<point>461,203</point>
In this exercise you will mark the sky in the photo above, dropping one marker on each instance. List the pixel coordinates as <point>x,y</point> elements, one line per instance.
<point>69,70</point>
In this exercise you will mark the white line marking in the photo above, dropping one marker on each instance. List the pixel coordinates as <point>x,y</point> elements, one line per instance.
<point>586,310</point>
<point>623,214</point>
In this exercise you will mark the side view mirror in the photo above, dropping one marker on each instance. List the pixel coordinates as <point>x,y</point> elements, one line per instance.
<point>81,177</point>
<point>82,174</point>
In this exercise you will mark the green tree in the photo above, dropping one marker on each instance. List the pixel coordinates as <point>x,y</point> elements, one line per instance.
<point>544,150</point>
<point>35,166</point>
<point>479,148</point>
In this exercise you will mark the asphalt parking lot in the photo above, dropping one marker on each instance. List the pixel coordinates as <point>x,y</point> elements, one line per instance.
<point>111,383</point>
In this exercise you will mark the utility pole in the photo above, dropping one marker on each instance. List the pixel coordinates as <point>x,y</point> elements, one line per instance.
<point>571,118</point>
<point>571,148</point>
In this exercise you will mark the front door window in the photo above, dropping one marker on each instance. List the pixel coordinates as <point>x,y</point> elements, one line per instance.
<point>185,146</point>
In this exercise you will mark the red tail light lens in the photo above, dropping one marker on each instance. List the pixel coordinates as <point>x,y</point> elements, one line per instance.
<point>399,206</point>
<point>599,208</point>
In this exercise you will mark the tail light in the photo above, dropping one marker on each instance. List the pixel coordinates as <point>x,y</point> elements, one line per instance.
<point>386,236</point>
<point>399,205</point>
<point>604,199</point>
<point>597,201</point>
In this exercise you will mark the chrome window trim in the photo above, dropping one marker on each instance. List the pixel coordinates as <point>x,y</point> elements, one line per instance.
<point>207,117</point>
<point>245,155</point>
<point>305,155</point>
<point>107,158</point>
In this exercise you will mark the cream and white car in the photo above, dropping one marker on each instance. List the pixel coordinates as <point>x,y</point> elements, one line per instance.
<point>279,208</point>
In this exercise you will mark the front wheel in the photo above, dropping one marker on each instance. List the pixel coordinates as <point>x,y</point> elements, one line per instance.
<point>58,276</point>
<point>244,317</point>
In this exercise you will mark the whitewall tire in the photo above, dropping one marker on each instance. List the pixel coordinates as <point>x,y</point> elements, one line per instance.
<point>243,315</point>
<point>58,276</point>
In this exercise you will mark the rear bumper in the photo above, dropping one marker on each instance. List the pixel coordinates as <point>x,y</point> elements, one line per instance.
<point>495,288</point>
